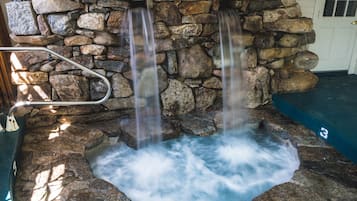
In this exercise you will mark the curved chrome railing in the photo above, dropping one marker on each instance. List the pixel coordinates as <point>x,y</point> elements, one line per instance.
<point>58,103</point>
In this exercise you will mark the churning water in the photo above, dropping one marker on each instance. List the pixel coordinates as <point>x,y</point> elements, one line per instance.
<point>236,166</point>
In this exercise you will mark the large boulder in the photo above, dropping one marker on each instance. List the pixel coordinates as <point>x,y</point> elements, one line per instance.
<point>257,86</point>
<point>298,82</point>
<point>306,60</point>
<point>21,18</point>
<point>194,63</point>
<point>177,98</point>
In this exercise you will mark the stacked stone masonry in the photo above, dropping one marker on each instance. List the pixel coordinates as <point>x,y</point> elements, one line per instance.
<point>90,32</point>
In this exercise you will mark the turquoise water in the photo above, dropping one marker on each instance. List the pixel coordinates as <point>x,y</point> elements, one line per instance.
<point>236,166</point>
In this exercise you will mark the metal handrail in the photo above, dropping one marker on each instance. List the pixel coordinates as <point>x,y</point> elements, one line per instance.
<point>59,103</point>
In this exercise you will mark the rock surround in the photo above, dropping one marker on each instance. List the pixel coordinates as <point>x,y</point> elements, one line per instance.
<point>53,165</point>
<point>89,31</point>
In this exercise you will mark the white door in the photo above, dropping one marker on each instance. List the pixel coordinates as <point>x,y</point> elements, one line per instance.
<point>336,35</point>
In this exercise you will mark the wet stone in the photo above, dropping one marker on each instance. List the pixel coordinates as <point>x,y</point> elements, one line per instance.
<point>128,126</point>
<point>197,125</point>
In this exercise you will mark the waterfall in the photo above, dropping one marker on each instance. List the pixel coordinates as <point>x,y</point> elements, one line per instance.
<point>231,51</point>
<point>144,75</point>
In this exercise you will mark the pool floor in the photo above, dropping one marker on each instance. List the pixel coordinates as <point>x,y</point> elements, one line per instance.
<point>330,110</point>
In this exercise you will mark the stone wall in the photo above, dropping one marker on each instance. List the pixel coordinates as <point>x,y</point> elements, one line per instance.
<point>89,31</point>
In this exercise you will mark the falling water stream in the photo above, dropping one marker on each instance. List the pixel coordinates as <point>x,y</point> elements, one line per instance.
<point>144,75</point>
<point>237,165</point>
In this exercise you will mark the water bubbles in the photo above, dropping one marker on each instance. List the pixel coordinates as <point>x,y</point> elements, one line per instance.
<point>234,166</point>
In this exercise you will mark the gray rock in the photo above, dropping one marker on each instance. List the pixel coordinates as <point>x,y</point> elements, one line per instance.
<point>306,60</point>
<point>61,24</point>
<point>264,40</point>
<point>35,39</point>
<point>257,85</point>
<point>43,25</point>
<point>121,86</point>
<point>104,38</point>
<point>70,87</point>
<point>200,19</point>
<point>113,3</point>
<point>118,53</point>
<point>84,60</point>
<point>62,50</point>
<point>253,23</point>
<point>177,98</point>
<point>187,30</point>
<point>194,63</point>
<point>299,25</point>
<point>298,82</point>
<point>93,49</point>
<point>128,126</point>
<point>77,40</point>
<point>113,66</point>
<point>115,21</point>
<point>21,18</point>
<point>120,103</point>
<point>249,58</point>
<point>200,125</point>
<point>172,66</point>
<point>161,30</point>
<point>281,13</point>
<point>192,8</point>
<point>162,78</point>
<point>98,89</point>
<point>204,98</point>
<point>213,83</point>
<point>92,21</point>
<point>54,6</point>
<point>168,13</point>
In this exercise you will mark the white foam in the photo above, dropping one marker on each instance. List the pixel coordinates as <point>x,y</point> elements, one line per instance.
<point>210,168</point>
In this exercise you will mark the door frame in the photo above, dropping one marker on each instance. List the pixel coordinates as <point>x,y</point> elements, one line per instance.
<point>352,69</point>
